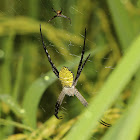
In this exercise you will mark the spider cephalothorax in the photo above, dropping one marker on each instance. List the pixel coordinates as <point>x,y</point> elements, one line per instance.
<point>68,81</point>
<point>59,14</point>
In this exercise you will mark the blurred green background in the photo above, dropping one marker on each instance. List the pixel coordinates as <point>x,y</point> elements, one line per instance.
<point>109,81</point>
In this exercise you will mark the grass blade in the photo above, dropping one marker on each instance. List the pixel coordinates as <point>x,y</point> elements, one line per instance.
<point>7,99</point>
<point>16,124</point>
<point>129,125</point>
<point>122,22</point>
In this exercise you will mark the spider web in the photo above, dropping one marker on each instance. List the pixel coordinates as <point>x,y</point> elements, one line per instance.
<point>71,47</point>
<point>98,65</point>
<point>17,9</point>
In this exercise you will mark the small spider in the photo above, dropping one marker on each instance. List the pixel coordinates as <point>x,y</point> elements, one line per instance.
<point>58,14</point>
<point>67,80</point>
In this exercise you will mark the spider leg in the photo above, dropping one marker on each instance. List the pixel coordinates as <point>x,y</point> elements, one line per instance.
<point>80,63</point>
<point>105,124</point>
<point>52,18</point>
<point>58,104</point>
<point>54,11</point>
<point>56,72</point>
<point>66,17</point>
<point>81,98</point>
<point>61,10</point>
<point>85,103</point>
<point>80,70</point>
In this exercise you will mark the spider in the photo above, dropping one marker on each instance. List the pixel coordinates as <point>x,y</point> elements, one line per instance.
<point>67,80</point>
<point>58,14</point>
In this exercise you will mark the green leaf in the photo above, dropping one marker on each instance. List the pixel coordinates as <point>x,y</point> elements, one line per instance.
<point>129,125</point>
<point>33,96</point>
<point>6,69</point>
<point>18,81</point>
<point>16,124</point>
<point>13,105</point>
<point>122,22</point>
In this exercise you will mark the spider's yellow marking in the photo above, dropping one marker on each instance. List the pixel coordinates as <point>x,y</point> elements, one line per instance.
<point>66,77</point>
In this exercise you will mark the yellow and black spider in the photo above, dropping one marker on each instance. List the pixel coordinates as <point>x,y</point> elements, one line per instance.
<point>67,80</point>
<point>59,14</point>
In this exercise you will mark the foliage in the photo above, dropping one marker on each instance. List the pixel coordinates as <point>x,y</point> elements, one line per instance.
<point>110,79</point>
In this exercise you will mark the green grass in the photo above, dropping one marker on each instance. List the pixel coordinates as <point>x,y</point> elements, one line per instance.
<point>109,81</point>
